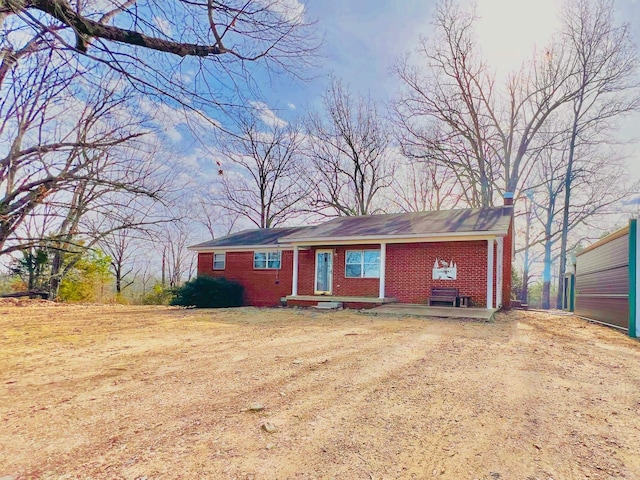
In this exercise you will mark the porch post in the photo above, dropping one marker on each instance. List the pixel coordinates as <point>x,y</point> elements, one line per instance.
<point>499,272</point>
<point>490,273</point>
<point>383,267</point>
<point>294,285</point>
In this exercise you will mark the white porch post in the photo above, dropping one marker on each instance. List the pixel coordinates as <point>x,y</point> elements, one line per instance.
<point>294,285</point>
<point>383,267</point>
<point>490,273</point>
<point>499,273</point>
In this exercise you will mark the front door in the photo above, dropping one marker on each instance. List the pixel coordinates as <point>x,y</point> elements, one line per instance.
<point>324,272</point>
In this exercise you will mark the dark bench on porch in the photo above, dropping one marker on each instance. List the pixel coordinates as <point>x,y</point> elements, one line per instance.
<point>443,294</point>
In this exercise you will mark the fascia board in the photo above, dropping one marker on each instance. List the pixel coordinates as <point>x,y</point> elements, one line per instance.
<point>399,238</point>
<point>240,248</point>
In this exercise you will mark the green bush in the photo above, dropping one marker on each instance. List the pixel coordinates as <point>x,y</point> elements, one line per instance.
<point>208,292</point>
<point>158,295</point>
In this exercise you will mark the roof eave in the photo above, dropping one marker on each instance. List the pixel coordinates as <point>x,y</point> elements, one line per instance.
<point>238,248</point>
<point>397,238</point>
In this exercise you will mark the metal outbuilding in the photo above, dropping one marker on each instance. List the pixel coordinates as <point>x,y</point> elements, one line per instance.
<point>606,286</point>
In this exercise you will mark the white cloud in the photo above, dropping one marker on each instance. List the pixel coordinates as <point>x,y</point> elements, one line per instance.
<point>267,115</point>
<point>528,25</point>
<point>292,106</point>
<point>163,25</point>
<point>292,11</point>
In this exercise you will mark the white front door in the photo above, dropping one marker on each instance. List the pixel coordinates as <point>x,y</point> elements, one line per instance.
<point>324,272</point>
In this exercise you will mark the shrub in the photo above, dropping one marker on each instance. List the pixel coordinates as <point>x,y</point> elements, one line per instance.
<point>208,292</point>
<point>158,295</point>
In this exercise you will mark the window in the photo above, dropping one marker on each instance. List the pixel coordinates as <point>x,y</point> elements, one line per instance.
<point>362,264</point>
<point>264,260</point>
<point>218,261</point>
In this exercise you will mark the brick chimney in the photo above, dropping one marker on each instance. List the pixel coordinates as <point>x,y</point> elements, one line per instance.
<point>508,199</point>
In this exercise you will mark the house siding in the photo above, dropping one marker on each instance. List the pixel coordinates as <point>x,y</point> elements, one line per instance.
<point>408,272</point>
<point>602,282</point>
<point>262,288</point>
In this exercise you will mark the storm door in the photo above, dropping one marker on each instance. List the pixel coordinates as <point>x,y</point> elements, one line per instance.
<point>324,272</point>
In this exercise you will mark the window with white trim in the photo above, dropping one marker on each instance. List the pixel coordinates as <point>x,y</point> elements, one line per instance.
<point>362,264</point>
<point>219,260</point>
<point>266,260</point>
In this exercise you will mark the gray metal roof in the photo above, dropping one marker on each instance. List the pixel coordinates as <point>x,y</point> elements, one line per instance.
<point>464,221</point>
<point>422,224</point>
<point>256,237</point>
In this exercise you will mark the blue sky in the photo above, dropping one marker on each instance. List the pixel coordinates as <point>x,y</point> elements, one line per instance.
<point>364,38</point>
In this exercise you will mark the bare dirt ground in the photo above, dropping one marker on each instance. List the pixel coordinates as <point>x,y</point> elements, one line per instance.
<point>107,392</point>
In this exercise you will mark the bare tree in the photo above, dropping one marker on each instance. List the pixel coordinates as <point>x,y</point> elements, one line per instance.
<point>58,143</point>
<point>455,113</point>
<point>424,186</point>
<point>120,247</point>
<point>215,219</point>
<point>159,45</point>
<point>606,83</point>
<point>262,182</point>
<point>596,189</point>
<point>348,148</point>
<point>171,241</point>
<point>545,209</point>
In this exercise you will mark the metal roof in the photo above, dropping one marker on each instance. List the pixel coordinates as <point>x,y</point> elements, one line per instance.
<point>255,237</point>
<point>490,220</point>
<point>442,223</point>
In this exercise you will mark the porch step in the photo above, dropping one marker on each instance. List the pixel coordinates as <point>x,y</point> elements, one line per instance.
<point>329,305</point>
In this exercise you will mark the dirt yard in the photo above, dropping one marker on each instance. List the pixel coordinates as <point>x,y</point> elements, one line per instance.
<point>94,392</point>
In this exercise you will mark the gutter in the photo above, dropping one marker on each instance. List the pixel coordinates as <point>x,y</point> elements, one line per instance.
<point>395,238</point>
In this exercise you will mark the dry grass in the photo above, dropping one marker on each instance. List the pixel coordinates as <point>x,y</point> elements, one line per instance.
<point>133,392</point>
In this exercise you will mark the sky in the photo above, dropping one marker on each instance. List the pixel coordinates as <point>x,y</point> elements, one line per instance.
<point>364,38</point>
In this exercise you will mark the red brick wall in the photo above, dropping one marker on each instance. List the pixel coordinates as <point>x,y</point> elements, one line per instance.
<point>410,270</point>
<point>359,287</point>
<point>306,271</point>
<point>261,287</point>
<point>356,287</point>
<point>408,274</point>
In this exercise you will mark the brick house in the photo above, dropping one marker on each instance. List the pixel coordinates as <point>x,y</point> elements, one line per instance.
<point>369,260</point>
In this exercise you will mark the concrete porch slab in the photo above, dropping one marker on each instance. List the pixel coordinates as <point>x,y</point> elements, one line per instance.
<point>417,310</point>
<point>336,298</point>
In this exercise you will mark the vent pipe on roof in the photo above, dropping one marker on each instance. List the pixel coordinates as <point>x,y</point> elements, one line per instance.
<point>508,198</point>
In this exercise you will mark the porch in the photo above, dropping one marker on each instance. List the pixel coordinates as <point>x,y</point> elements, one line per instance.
<point>338,298</point>
<point>419,310</point>
<point>360,263</point>
<point>353,302</point>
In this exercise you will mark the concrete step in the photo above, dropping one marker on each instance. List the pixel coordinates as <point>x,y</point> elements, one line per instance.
<point>329,305</point>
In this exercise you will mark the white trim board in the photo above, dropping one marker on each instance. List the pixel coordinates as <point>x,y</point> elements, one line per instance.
<point>367,240</point>
<point>242,248</point>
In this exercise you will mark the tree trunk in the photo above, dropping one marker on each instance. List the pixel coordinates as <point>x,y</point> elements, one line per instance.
<point>164,262</point>
<point>56,273</point>
<point>524,294</point>
<point>546,273</point>
<point>567,200</point>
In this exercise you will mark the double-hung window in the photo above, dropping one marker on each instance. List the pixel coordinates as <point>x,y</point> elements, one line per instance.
<point>362,264</point>
<point>266,260</point>
<point>219,261</point>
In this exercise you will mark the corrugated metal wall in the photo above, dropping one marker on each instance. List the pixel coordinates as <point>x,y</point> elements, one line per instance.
<point>602,281</point>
